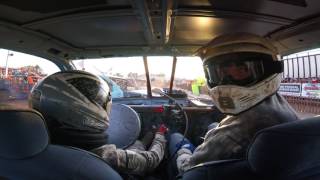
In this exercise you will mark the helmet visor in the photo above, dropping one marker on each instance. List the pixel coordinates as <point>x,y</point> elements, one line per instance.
<point>103,97</point>
<point>242,69</point>
<point>96,91</point>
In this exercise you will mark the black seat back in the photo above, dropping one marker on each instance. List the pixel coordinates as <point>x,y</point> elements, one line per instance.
<point>25,152</point>
<point>286,151</point>
<point>221,170</point>
<point>22,134</point>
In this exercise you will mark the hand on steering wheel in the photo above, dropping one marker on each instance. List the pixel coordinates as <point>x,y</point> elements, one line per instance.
<point>162,129</point>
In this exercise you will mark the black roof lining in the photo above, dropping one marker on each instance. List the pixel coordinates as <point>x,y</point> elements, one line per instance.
<point>51,6</point>
<point>301,3</point>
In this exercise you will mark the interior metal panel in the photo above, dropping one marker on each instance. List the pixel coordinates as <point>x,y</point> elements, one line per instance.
<point>99,28</point>
<point>268,7</point>
<point>104,31</point>
<point>200,30</point>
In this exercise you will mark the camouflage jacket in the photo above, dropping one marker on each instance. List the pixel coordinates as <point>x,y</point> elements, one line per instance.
<point>234,133</point>
<point>135,159</point>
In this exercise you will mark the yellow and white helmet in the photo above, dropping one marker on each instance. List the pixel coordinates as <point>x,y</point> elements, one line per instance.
<point>241,69</point>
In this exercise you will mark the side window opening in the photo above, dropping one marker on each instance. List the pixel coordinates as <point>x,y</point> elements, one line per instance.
<point>19,72</point>
<point>301,82</point>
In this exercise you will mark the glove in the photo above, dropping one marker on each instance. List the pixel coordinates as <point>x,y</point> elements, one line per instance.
<point>162,129</point>
<point>186,145</point>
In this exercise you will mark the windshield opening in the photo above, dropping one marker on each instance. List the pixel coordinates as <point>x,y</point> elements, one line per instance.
<point>127,78</point>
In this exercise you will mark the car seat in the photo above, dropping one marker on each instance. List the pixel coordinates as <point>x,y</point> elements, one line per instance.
<point>289,151</point>
<point>26,153</point>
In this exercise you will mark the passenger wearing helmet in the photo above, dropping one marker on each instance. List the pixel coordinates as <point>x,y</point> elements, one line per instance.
<point>243,76</point>
<point>76,106</point>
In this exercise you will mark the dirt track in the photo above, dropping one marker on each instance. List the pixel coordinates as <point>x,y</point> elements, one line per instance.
<point>6,100</point>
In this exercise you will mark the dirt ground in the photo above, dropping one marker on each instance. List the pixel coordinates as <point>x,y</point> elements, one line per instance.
<point>15,104</point>
<point>7,100</point>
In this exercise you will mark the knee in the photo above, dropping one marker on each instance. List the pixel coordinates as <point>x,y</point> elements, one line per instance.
<point>175,138</point>
<point>176,141</point>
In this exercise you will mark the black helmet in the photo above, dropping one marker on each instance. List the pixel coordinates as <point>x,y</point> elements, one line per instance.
<point>75,104</point>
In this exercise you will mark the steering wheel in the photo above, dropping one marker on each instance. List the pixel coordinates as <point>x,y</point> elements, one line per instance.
<point>182,111</point>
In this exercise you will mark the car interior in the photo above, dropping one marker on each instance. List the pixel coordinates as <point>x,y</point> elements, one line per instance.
<point>26,152</point>
<point>73,35</point>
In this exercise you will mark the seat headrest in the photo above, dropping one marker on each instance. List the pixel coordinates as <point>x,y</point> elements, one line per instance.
<point>286,149</point>
<point>23,133</point>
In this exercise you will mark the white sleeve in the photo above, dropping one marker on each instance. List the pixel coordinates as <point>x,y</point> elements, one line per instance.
<point>183,159</point>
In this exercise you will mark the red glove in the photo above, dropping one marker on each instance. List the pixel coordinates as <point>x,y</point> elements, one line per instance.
<point>162,129</point>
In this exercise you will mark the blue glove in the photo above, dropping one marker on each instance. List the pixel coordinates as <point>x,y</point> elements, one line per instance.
<point>185,144</point>
<point>189,146</point>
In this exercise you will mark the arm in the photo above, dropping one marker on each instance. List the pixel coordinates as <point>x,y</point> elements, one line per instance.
<point>134,161</point>
<point>183,159</point>
<point>218,144</point>
<point>139,162</point>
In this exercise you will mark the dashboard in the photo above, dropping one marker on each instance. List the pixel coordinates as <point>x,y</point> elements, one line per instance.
<point>154,111</point>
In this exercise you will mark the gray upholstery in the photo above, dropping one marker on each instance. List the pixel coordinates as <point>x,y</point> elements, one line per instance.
<point>25,152</point>
<point>22,134</point>
<point>221,170</point>
<point>287,151</point>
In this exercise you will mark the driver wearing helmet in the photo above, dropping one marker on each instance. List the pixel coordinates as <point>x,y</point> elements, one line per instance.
<point>243,76</point>
<point>236,73</point>
<point>76,106</point>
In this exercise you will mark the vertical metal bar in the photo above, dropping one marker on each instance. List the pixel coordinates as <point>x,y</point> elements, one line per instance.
<point>288,68</point>
<point>298,68</point>
<point>304,68</point>
<point>146,68</point>
<point>167,8</point>
<point>283,70</point>
<point>316,64</point>
<point>309,66</point>
<point>173,71</point>
<point>141,8</point>
<point>292,63</point>
<point>8,54</point>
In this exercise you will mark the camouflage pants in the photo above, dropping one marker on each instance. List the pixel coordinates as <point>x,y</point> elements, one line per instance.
<point>135,159</point>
